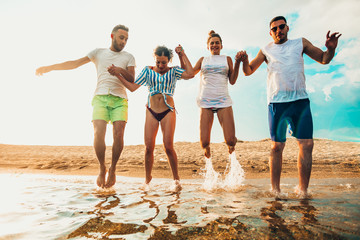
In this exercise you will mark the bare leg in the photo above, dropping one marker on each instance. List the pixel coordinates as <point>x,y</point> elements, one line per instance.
<point>168,128</point>
<point>305,163</point>
<point>151,128</point>
<point>100,147</point>
<point>275,164</point>
<point>118,145</point>
<point>226,119</point>
<point>206,121</point>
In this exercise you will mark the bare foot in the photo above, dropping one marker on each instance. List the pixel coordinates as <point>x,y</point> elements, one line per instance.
<point>101,178</point>
<point>207,152</point>
<point>302,194</point>
<point>148,180</point>
<point>145,187</point>
<point>278,194</point>
<point>111,179</point>
<point>231,149</point>
<point>176,187</point>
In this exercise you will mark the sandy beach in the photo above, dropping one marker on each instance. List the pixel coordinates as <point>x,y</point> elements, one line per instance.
<point>60,200</point>
<point>331,159</point>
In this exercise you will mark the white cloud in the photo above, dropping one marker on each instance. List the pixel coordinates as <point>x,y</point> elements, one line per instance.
<point>342,134</point>
<point>328,87</point>
<point>349,56</point>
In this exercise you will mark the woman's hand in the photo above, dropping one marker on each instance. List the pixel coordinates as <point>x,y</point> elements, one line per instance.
<point>179,50</point>
<point>241,56</point>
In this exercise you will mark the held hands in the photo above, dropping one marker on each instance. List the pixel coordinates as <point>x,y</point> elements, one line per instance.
<point>113,70</point>
<point>332,40</point>
<point>179,50</point>
<point>241,56</point>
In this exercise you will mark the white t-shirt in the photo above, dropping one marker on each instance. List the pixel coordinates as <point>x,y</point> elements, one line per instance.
<point>286,78</point>
<point>214,81</point>
<point>106,83</point>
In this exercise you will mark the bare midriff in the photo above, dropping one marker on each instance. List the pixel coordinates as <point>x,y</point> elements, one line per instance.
<point>157,102</point>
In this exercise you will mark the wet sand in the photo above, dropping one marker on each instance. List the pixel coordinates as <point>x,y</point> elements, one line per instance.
<point>331,159</point>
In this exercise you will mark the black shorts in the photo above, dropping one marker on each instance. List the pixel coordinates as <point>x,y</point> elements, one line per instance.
<point>297,114</point>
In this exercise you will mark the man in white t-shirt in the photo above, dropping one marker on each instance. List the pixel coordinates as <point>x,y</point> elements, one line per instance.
<point>110,98</point>
<point>287,97</point>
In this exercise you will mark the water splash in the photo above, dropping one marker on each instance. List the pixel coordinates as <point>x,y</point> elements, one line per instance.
<point>236,175</point>
<point>211,176</point>
<point>175,186</point>
<point>145,187</point>
<point>233,179</point>
<point>66,207</point>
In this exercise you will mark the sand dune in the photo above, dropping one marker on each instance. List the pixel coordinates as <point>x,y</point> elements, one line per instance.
<point>331,159</point>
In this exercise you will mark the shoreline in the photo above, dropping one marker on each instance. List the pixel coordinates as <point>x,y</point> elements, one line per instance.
<point>331,159</point>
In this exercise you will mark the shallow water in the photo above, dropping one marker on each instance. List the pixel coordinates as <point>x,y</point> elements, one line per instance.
<point>72,207</point>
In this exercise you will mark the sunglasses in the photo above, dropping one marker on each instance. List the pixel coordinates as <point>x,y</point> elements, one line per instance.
<point>281,27</point>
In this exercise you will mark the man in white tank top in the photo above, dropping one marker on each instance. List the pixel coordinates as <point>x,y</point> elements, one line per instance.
<point>287,97</point>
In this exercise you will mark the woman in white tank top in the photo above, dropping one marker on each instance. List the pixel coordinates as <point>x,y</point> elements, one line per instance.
<point>216,71</point>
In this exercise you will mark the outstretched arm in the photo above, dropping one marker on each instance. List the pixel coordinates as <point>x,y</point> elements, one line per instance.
<point>317,54</point>
<point>113,70</point>
<point>185,63</point>
<point>250,68</point>
<point>62,66</point>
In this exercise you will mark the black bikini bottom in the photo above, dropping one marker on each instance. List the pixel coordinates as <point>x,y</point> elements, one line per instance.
<point>158,116</point>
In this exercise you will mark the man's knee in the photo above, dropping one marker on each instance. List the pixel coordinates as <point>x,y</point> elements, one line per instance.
<point>277,147</point>
<point>306,144</point>
<point>99,133</point>
<point>119,128</point>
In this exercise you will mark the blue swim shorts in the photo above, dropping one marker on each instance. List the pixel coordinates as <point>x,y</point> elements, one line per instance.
<point>296,114</point>
<point>109,108</point>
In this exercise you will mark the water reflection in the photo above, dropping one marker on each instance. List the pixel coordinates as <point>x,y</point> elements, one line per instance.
<point>104,228</point>
<point>308,211</point>
<point>100,227</point>
<point>284,223</point>
<point>66,208</point>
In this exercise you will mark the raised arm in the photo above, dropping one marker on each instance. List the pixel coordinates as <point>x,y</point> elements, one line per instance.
<point>317,54</point>
<point>197,66</point>
<point>62,66</point>
<point>233,72</point>
<point>113,70</point>
<point>250,68</point>
<point>185,63</point>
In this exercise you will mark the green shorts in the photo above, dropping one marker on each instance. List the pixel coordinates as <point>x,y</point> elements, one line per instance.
<point>109,108</point>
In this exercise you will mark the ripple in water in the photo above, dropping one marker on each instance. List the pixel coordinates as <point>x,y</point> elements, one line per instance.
<point>72,207</point>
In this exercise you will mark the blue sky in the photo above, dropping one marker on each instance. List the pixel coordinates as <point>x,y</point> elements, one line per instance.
<point>55,109</point>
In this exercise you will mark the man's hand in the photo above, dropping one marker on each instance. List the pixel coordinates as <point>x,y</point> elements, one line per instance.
<point>241,56</point>
<point>41,70</point>
<point>332,40</point>
<point>113,70</point>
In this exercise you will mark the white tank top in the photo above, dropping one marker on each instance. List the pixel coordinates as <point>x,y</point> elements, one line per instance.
<point>214,83</point>
<point>285,78</point>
